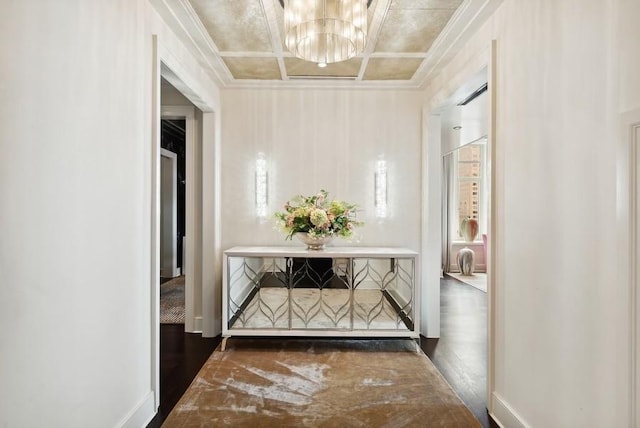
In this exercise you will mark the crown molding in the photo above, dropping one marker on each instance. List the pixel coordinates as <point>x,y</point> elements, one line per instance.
<point>469,17</point>
<point>182,19</point>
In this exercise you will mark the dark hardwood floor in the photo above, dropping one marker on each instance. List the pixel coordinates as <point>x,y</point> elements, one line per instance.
<point>181,357</point>
<point>461,351</point>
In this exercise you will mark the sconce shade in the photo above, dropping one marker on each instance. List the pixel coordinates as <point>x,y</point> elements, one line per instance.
<point>381,189</point>
<point>325,31</point>
<point>261,186</point>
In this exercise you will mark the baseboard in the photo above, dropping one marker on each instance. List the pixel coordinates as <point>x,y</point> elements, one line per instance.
<point>504,415</point>
<point>141,414</point>
<point>212,328</point>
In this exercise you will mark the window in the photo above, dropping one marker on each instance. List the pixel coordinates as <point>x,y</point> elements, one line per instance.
<point>469,192</point>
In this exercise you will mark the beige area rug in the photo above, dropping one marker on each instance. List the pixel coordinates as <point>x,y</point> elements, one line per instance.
<point>172,301</point>
<point>319,383</point>
<point>477,280</point>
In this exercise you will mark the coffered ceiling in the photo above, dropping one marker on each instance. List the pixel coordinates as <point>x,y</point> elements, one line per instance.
<point>240,42</point>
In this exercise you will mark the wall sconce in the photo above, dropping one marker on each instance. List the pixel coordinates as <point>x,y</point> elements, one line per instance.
<point>261,186</point>
<point>381,188</point>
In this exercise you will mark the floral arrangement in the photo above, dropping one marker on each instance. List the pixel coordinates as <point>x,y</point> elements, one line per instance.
<point>318,217</point>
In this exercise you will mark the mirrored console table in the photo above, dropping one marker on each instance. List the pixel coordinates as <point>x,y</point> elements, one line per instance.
<point>337,292</point>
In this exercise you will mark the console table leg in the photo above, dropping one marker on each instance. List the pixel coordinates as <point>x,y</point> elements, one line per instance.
<point>223,345</point>
<point>417,345</point>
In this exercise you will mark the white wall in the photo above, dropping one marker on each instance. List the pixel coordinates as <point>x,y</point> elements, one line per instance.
<point>75,204</point>
<point>565,70</point>
<point>321,139</point>
<point>473,118</point>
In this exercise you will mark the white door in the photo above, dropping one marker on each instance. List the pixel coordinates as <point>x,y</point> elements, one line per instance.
<point>168,214</point>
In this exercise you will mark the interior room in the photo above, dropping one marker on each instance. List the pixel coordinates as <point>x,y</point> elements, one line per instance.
<point>465,184</point>
<point>447,200</point>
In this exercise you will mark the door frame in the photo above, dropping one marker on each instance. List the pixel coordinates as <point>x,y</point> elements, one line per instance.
<point>628,209</point>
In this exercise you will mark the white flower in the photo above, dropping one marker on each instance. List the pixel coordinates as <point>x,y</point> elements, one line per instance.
<point>318,217</point>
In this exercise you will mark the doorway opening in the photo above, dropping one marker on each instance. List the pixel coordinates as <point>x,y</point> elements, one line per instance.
<point>181,350</point>
<point>180,210</point>
<point>460,163</point>
<point>179,94</point>
<point>464,231</point>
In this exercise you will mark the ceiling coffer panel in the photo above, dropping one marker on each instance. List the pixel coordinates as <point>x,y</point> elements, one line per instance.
<point>235,25</point>
<point>253,68</point>
<point>413,25</point>
<point>391,68</point>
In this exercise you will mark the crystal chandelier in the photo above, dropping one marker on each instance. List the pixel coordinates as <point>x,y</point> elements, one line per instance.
<point>325,31</point>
